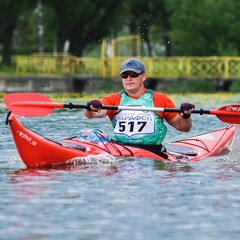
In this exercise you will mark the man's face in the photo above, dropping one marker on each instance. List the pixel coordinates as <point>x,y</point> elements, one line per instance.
<point>133,82</point>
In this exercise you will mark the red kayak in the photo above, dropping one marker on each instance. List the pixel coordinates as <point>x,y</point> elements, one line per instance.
<point>35,150</point>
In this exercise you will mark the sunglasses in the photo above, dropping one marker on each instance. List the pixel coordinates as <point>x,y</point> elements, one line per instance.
<point>131,74</point>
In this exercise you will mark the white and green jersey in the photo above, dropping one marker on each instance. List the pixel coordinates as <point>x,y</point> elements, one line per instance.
<point>138,127</point>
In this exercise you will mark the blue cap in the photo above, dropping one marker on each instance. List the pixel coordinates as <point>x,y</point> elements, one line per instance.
<point>132,64</point>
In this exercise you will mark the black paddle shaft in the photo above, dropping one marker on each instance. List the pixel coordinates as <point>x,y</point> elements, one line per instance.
<point>71,106</point>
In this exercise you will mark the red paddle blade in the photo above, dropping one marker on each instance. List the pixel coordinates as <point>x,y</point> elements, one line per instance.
<point>25,104</point>
<point>228,114</point>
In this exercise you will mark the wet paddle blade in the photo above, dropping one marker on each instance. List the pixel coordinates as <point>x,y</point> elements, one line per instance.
<point>13,103</point>
<point>228,114</point>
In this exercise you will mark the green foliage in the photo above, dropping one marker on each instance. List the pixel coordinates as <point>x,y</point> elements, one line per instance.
<point>205,27</point>
<point>235,86</point>
<point>25,37</point>
<point>87,21</point>
<point>6,69</point>
<point>26,33</point>
<point>167,27</point>
<point>92,50</point>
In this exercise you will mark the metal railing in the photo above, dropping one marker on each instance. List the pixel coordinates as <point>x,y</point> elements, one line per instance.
<point>156,67</point>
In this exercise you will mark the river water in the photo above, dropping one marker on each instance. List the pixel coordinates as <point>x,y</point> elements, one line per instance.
<point>133,199</point>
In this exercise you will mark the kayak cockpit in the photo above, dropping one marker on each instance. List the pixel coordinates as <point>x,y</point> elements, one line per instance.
<point>171,147</point>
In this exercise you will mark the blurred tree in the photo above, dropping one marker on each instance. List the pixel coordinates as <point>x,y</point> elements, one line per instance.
<point>167,27</point>
<point>205,27</point>
<point>84,22</point>
<point>25,38</point>
<point>10,10</point>
<point>150,19</point>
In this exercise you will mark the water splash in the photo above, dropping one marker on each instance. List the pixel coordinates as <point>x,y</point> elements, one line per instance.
<point>234,154</point>
<point>15,161</point>
<point>95,159</point>
<point>15,158</point>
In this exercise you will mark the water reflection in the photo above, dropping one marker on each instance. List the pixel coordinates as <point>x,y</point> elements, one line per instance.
<point>50,171</point>
<point>172,166</point>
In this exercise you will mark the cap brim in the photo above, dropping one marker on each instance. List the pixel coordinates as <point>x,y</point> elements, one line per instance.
<point>131,69</point>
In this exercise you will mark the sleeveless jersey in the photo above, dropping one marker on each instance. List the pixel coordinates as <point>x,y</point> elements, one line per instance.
<point>138,127</point>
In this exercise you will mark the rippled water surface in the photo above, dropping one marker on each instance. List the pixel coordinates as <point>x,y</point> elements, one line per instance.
<point>121,198</point>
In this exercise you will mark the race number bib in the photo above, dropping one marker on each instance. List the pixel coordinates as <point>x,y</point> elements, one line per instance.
<point>134,123</point>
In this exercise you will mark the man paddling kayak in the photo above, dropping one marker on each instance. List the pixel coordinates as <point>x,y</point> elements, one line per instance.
<point>139,127</point>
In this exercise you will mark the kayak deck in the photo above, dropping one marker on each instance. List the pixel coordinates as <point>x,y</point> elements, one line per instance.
<point>36,150</point>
